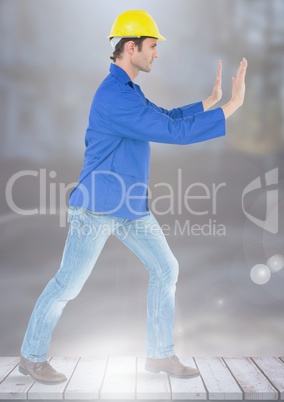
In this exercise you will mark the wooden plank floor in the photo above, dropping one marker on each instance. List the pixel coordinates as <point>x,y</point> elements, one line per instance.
<point>124,378</point>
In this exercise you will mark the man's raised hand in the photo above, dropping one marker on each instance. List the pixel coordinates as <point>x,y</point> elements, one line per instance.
<point>217,90</point>
<point>238,90</point>
<point>238,84</point>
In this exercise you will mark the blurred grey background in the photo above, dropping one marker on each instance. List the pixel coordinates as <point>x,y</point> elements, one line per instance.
<point>53,55</point>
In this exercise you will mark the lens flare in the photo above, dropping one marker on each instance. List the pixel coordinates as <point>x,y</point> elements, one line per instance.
<point>260,274</point>
<point>275,263</point>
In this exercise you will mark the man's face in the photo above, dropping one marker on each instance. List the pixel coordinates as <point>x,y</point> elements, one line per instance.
<point>143,60</point>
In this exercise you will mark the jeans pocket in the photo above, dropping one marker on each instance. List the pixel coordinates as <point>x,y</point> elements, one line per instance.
<point>92,217</point>
<point>73,212</point>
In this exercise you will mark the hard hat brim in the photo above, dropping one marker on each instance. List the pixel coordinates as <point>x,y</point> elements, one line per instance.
<point>160,37</point>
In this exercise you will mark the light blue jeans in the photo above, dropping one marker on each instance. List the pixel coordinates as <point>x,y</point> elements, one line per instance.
<point>86,237</point>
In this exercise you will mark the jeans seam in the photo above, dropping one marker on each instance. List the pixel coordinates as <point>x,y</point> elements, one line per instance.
<point>156,293</point>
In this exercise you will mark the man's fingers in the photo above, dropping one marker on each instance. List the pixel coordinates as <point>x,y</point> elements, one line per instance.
<point>218,80</point>
<point>219,72</point>
<point>242,69</point>
<point>220,67</point>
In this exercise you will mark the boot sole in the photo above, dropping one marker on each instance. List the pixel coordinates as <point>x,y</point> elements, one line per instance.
<point>23,371</point>
<point>156,371</point>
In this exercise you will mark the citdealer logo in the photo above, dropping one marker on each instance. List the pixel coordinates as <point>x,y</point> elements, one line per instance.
<point>270,222</point>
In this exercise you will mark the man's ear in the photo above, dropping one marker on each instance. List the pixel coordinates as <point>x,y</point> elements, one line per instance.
<point>130,46</point>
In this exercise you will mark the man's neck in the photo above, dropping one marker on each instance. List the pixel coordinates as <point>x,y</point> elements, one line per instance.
<point>128,68</point>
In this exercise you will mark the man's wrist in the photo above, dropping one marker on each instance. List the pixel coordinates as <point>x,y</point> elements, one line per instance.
<point>229,108</point>
<point>207,103</point>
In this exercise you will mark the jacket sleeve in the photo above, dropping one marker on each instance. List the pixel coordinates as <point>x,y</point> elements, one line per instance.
<point>180,112</point>
<point>131,116</point>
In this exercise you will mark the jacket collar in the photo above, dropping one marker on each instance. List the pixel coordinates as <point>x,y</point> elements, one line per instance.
<point>119,73</point>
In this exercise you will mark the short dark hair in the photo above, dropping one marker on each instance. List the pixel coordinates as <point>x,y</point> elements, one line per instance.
<point>120,46</point>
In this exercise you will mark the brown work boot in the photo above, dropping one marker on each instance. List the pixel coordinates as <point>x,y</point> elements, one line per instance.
<point>41,372</point>
<point>172,366</point>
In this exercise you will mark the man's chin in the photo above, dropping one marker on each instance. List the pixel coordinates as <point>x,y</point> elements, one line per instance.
<point>147,69</point>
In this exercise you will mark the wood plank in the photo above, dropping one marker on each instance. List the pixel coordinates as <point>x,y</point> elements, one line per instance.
<point>15,386</point>
<point>273,368</point>
<point>7,364</point>
<point>218,380</point>
<point>251,380</point>
<point>189,389</point>
<point>120,379</point>
<point>224,378</point>
<point>64,365</point>
<point>150,385</point>
<point>87,379</point>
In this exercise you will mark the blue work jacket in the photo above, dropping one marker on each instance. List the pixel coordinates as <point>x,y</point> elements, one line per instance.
<point>122,122</point>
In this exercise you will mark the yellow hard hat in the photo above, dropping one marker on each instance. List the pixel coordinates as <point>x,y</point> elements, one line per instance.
<point>135,23</point>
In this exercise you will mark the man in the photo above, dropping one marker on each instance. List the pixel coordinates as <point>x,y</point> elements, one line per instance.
<point>111,195</point>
